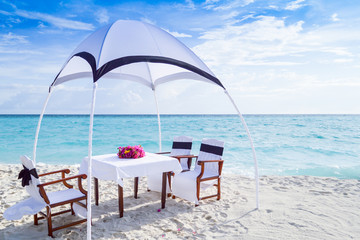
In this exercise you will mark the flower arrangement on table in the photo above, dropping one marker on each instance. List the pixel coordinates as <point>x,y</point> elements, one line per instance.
<point>131,152</point>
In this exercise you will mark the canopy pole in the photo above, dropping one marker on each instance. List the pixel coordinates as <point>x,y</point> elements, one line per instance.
<point>90,162</point>
<point>39,124</point>
<point>158,117</point>
<point>252,148</point>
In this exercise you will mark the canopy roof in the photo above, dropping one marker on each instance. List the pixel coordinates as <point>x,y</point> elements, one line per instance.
<point>135,51</point>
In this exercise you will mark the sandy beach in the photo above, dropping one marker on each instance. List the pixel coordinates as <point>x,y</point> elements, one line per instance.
<point>291,207</point>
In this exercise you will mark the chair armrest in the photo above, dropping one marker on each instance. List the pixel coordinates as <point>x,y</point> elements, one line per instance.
<point>202,164</point>
<point>189,159</point>
<point>58,171</point>
<point>163,153</point>
<point>81,176</point>
<point>205,161</point>
<point>184,156</point>
<point>63,171</point>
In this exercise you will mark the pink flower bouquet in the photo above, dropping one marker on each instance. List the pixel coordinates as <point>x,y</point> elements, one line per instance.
<point>131,152</point>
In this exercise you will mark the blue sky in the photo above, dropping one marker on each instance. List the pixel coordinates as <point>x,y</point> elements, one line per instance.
<point>294,56</point>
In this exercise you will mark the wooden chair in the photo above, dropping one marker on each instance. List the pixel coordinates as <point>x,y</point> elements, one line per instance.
<point>50,200</point>
<point>207,172</point>
<point>181,146</point>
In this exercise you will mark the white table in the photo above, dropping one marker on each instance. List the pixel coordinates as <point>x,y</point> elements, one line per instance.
<point>111,167</point>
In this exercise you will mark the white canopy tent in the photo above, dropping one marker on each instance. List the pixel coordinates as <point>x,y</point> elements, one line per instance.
<point>139,52</point>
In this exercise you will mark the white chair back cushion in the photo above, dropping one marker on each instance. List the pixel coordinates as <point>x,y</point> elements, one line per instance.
<point>32,189</point>
<point>184,150</point>
<point>210,149</point>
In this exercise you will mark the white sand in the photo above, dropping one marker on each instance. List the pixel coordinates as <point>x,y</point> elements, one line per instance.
<point>294,207</point>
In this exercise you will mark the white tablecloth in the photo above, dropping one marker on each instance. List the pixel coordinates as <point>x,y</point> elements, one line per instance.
<point>111,167</point>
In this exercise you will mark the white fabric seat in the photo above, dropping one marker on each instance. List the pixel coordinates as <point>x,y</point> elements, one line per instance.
<point>185,183</point>
<point>29,206</point>
<point>64,195</point>
<point>181,146</point>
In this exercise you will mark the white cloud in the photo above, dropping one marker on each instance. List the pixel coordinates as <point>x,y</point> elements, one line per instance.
<point>335,18</point>
<point>148,21</point>
<point>11,92</point>
<point>56,21</point>
<point>178,35</point>
<point>343,60</point>
<point>211,1</point>
<point>14,20</point>
<point>102,16</point>
<point>130,97</point>
<point>251,43</point>
<point>13,39</point>
<point>41,25</point>
<point>190,3</point>
<point>295,5</point>
<point>18,52</point>
<point>230,15</point>
<point>276,65</point>
<point>7,96</point>
<point>230,5</point>
<point>5,13</point>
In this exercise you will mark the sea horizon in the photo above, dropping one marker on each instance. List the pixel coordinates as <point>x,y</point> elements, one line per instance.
<point>286,144</point>
<point>183,114</point>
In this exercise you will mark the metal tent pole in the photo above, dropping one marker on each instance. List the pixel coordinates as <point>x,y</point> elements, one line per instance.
<point>39,124</point>
<point>252,148</point>
<point>158,117</point>
<point>88,229</point>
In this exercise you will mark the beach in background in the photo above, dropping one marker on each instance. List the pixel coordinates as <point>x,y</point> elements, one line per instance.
<point>309,184</point>
<point>291,207</point>
<point>315,145</point>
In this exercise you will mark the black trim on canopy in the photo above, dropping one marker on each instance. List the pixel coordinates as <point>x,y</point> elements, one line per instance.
<point>90,59</point>
<point>109,66</point>
<point>154,59</point>
<point>87,57</point>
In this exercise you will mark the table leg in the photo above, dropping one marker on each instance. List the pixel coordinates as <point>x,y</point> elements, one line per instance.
<point>136,185</point>
<point>121,201</point>
<point>96,190</point>
<point>163,190</point>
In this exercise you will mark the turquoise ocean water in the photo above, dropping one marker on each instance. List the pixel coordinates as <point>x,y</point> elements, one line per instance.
<point>317,145</point>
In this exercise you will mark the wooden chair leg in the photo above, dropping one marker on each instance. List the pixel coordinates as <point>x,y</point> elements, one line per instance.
<point>136,187</point>
<point>72,209</point>
<point>169,180</point>
<point>96,191</point>
<point>198,189</point>
<point>36,221</point>
<point>219,190</point>
<point>48,218</point>
<point>163,190</point>
<point>121,201</point>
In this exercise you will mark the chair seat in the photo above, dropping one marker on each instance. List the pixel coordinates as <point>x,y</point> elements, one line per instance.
<point>194,174</point>
<point>184,185</point>
<point>64,195</point>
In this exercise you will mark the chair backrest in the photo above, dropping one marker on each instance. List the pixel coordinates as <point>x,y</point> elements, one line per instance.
<point>32,188</point>
<point>210,149</point>
<point>182,146</point>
